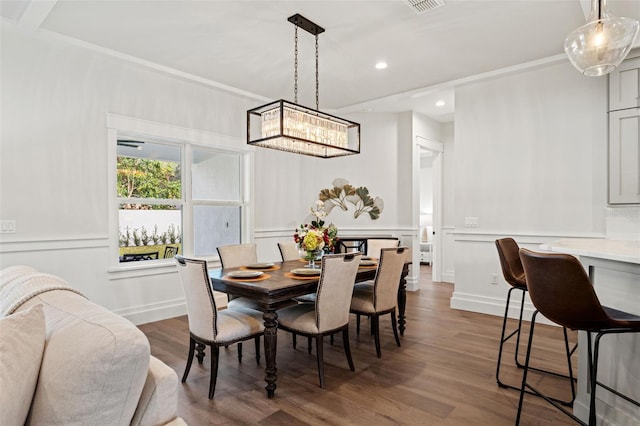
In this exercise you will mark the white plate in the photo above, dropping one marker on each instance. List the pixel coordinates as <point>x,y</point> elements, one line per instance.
<point>245,274</point>
<point>305,271</point>
<point>368,263</point>
<point>264,265</point>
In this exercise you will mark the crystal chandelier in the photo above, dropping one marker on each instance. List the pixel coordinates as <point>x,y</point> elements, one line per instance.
<point>600,45</point>
<point>287,126</point>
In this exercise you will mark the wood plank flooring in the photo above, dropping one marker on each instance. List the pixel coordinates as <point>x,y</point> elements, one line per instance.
<point>444,374</point>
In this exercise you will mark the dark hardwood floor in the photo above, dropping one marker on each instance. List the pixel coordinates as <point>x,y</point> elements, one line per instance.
<point>444,374</point>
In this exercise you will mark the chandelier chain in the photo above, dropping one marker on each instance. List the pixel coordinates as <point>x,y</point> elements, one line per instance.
<point>317,78</point>
<point>295,65</point>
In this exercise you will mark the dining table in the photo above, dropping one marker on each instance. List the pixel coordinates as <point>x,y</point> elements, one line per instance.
<point>276,287</point>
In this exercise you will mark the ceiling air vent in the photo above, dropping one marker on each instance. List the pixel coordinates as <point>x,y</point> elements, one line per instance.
<point>422,6</point>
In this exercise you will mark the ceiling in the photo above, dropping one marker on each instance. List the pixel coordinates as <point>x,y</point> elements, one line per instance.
<point>248,46</point>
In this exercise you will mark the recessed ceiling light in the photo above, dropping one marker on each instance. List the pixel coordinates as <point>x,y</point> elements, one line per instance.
<point>381,65</point>
<point>440,103</point>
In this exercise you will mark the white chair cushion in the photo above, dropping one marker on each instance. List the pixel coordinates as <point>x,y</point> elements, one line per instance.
<point>299,317</point>
<point>244,303</point>
<point>22,337</point>
<point>236,323</point>
<point>362,298</point>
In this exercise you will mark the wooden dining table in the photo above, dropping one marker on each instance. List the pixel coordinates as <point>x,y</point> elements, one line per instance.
<point>275,289</point>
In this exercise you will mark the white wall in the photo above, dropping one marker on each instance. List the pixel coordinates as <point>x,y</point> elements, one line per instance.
<point>530,162</point>
<point>54,167</point>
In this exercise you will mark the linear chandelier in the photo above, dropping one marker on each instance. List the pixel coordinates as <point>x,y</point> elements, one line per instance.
<point>288,126</point>
<point>600,45</point>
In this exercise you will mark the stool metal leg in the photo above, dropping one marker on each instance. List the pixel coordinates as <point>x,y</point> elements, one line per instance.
<point>516,332</point>
<point>527,388</point>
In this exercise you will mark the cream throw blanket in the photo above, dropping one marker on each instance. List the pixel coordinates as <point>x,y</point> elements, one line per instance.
<point>16,291</point>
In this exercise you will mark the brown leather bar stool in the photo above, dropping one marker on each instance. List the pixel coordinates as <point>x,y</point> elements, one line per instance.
<point>561,291</point>
<point>513,272</point>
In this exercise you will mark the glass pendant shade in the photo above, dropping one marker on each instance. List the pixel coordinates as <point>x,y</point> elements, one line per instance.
<point>600,45</point>
<point>290,127</point>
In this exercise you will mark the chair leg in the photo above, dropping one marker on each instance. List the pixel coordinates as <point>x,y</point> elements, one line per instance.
<point>257,340</point>
<point>375,326</point>
<point>526,368</point>
<point>593,376</point>
<point>309,345</point>
<point>358,324</point>
<point>331,340</point>
<point>319,356</point>
<point>200,352</point>
<point>192,348</point>
<point>293,335</point>
<point>347,347</point>
<point>239,351</point>
<point>503,339</point>
<point>394,325</point>
<point>215,351</point>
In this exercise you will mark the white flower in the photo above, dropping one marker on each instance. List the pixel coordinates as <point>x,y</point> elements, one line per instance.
<point>379,203</point>
<point>340,182</point>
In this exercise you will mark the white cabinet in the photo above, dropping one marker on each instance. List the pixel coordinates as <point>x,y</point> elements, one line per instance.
<point>624,133</point>
<point>624,85</point>
<point>624,156</point>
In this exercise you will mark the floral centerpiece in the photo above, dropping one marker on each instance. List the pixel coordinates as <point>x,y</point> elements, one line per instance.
<point>315,239</point>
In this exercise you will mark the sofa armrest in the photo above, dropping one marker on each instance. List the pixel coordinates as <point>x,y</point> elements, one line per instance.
<point>158,404</point>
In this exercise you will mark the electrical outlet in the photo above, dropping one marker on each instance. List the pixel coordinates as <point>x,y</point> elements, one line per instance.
<point>7,226</point>
<point>494,279</point>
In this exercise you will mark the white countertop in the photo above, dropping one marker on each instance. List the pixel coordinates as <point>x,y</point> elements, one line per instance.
<point>617,250</point>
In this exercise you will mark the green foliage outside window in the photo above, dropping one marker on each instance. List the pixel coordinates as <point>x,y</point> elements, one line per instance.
<point>143,178</point>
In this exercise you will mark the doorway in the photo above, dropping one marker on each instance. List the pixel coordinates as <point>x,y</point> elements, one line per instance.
<point>429,188</point>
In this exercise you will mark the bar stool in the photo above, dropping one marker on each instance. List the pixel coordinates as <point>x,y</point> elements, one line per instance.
<point>561,291</point>
<point>513,273</point>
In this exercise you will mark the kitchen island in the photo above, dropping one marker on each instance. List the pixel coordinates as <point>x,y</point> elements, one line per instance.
<point>614,269</point>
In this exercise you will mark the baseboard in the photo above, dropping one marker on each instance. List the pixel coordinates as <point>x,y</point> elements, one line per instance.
<point>448,277</point>
<point>494,306</point>
<point>154,311</point>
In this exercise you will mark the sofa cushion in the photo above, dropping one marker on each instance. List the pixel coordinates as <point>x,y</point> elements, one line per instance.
<point>94,365</point>
<point>21,348</point>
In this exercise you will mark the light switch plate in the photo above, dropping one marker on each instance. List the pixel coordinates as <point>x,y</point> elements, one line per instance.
<point>8,226</point>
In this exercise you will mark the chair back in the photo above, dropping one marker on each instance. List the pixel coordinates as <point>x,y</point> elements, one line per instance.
<point>289,251</point>
<point>235,255</point>
<point>561,290</point>
<point>385,287</point>
<point>201,305</point>
<point>375,245</point>
<point>335,289</point>
<point>512,270</point>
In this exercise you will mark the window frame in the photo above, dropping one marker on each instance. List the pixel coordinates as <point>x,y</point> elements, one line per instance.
<point>186,139</point>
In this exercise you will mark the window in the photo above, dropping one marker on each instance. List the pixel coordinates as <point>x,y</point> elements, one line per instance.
<point>174,196</point>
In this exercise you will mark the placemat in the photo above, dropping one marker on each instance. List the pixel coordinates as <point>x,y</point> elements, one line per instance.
<point>272,268</point>
<point>300,277</point>
<point>248,280</point>
<point>368,266</point>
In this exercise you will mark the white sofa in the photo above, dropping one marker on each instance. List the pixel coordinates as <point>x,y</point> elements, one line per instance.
<point>95,368</point>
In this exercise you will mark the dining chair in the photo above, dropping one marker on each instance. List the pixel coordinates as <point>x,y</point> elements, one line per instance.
<point>235,255</point>
<point>170,251</point>
<point>380,296</point>
<point>374,245</point>
<point>513,272</point>
<point>330,312</point>
<point>561,290</point>
<point>289,251</point>
<point>207,325</point>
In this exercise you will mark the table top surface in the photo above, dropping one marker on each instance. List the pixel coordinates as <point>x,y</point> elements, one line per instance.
<point>278,287</point>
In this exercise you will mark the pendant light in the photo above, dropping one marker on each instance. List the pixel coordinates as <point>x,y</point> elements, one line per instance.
<point>288,126</point>
<point>600,45</point>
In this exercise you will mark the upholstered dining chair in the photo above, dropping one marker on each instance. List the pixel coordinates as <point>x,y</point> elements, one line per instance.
<point>235,255</point>
<point>380,296</point>
<point>561,290</point>
<point>374,245</point>
<point>330,312</point>
<point>513,272</point>
<point>289,251</point>
<point>207,325</point>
